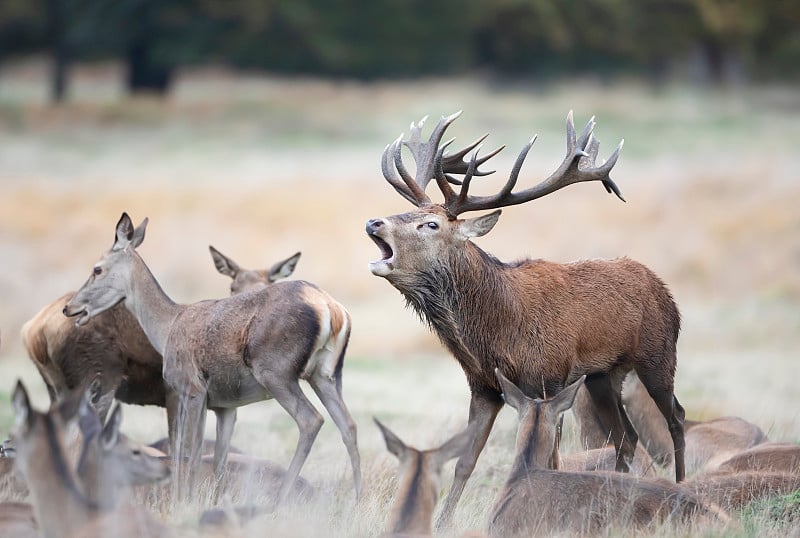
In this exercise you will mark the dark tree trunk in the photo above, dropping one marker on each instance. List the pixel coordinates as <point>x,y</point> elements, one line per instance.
<point>144,73</point>
<point>147,72</point>
<point>59,50</point>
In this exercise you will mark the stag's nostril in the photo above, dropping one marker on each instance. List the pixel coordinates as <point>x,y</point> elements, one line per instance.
<point>374,224</point>
<point>64,311</point>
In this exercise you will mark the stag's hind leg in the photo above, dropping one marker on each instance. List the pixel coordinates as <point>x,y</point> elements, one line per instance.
<point>605,394</point>
<point>662,393</point>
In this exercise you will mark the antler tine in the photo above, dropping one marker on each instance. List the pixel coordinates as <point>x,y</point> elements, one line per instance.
<point>473,165</point>
<point>425,152</point>
<point>390,173</point>
<point>512,178</point>
<point>417,191</point>
<point>578,166</point>
<point>442,179</point>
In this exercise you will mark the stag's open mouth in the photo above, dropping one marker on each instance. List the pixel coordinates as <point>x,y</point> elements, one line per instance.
<point>385,265</point>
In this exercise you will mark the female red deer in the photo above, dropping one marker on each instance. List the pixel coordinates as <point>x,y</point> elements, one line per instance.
<point>222,354</point>
<point>543,324</point>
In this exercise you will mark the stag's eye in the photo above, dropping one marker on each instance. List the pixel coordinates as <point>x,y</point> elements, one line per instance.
<point>433,226</point>
<point>97,270</point>
<point>136,452</point>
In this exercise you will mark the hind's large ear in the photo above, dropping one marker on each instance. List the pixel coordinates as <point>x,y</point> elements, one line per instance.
<point>512,394</point>
<point>284,268</point>
<point>123,233</point>
<point>393,443</point>
<point>138,233</point>
<point>23,414</point>
<point>224,264</point>
<point>455,447</point>
<point>564,399</point>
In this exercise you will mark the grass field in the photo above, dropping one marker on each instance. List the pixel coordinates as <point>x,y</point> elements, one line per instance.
<point>261,167</point>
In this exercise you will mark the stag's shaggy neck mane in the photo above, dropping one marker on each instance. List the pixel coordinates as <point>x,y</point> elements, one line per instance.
<point>466,298</point>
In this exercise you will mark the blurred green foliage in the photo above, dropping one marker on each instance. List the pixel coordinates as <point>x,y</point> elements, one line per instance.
<point>717,39</point>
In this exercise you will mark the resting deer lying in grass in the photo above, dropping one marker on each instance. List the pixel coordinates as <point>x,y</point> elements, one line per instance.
<point>418,482</point>
<point>114,345</point>
<point>735,491</point>
<point>225,353</point>
<point>708,443</point>
<point>543,323</point>
<point>536,500</point>
<point>63,504</point>
<point>768,457</point>
<point>604,459</point>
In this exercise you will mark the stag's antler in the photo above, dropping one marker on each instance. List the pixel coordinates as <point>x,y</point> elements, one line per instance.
<point>425,156</point>
<point>578,166</point>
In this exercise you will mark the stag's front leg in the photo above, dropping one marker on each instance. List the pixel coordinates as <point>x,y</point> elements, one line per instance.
<point>483,408</point>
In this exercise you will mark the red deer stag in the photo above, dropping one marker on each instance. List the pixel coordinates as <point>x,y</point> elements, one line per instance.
<point>113,347</point>
<point>542,323</point>
<point>226,353</point>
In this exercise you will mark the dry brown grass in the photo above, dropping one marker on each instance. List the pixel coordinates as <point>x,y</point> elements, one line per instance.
<point>261,167</point>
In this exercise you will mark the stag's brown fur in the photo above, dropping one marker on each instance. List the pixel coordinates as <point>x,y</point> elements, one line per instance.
<point>542,323</point>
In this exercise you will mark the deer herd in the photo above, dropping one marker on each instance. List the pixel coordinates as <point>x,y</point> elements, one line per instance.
<point>597,337</point>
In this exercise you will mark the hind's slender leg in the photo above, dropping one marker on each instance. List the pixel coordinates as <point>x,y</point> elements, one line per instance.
<point>288,393</point>
<point>329,394</point>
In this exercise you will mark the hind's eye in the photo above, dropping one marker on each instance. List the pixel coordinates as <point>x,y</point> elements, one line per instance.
<point>97,270</point>
<point>137,452</point>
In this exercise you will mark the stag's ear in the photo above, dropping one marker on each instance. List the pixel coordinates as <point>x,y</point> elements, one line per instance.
<point>454,448</point>
<point>138,233</point>
<point>123,234</point>
<point>479,225</point>
<point>23,414</point>
<point>393,443</point>
<point>224,265</point>
<point>564,399</point>
<point>511,393</point>
<point>283,268</point>
<point>110,435</point>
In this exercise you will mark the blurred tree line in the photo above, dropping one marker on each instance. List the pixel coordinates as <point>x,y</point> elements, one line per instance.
<point>718,40</point>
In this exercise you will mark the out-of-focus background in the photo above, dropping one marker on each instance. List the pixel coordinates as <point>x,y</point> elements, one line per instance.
<point>257,126</point>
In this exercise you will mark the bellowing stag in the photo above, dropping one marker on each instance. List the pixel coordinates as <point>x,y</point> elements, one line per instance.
<point>542,324</point>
